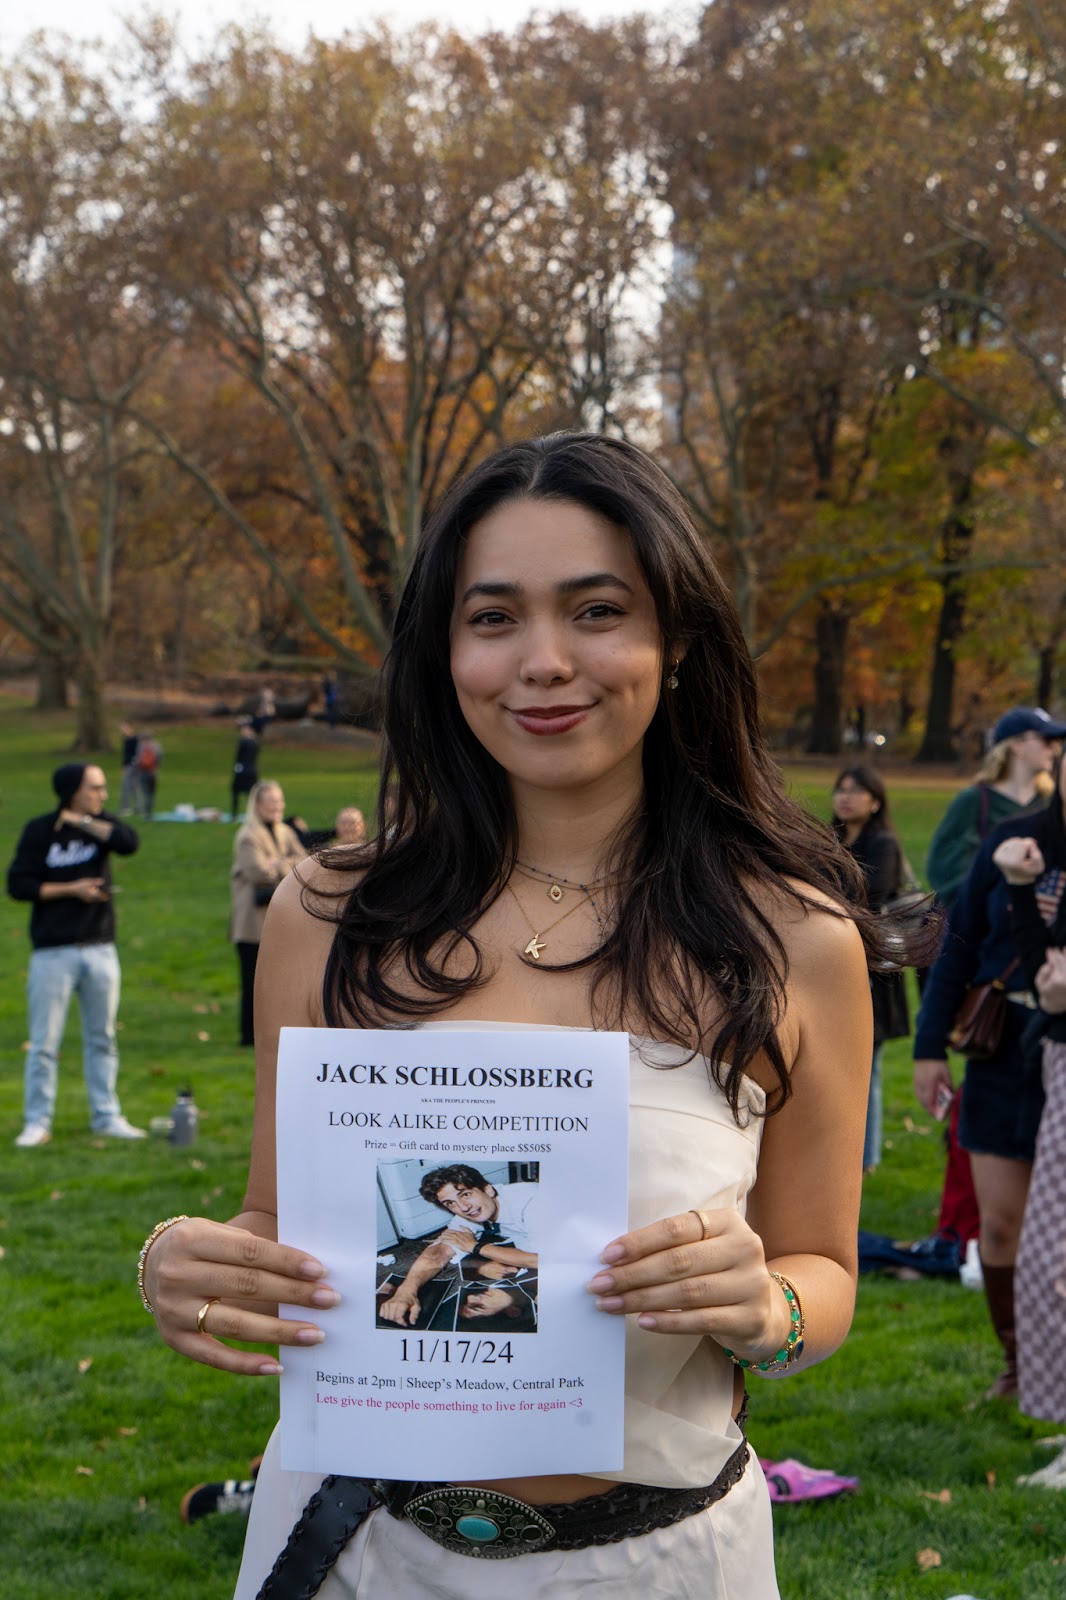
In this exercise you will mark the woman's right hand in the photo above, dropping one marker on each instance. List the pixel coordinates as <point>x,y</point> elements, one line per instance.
<point>244,1277</point>
<point>931,1080</point>
<point>1019,860</point>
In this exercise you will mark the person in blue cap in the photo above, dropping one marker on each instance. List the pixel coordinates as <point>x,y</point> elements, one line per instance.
<point>1015,772</point>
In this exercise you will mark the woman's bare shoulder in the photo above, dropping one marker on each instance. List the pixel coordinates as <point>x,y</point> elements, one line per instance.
<point>309,901</point>
<point>815,928</point>
<point>298,934</point>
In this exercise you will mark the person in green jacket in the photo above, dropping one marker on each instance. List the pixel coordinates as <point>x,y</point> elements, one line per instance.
<point>1016,771</point>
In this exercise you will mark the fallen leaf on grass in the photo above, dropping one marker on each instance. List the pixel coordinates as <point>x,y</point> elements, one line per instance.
<point>2,1252</point>
<point>85,1363</point>
<point>197,1166</point>
<point>201,1011</point>
<point>908,1123</point>
<point>142,1504</point>
<point>927,1560</point>
<point>990,1478</point>
<point>215,1007</point>
<point>127,1433</point>
<point>203,1037</point>
<point>85,1472</point>
<point>56,1194</point>
<point>942,1495</point>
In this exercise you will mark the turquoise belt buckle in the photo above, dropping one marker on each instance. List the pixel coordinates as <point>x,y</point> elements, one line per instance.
<point>476,1522</point>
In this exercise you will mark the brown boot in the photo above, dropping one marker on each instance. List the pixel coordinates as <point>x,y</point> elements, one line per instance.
<point>999,1292</point>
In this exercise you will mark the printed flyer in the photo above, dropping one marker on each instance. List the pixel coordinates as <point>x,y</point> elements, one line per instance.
<point>459,1183</point>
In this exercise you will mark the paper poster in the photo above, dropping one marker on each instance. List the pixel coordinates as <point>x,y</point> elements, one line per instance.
<point>459,1184</point>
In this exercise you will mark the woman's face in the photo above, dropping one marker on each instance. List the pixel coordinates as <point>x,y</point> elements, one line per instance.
<point>556,653</point>
<point>270,804</point>
<point>1032,754</point>
<point>853,803</point>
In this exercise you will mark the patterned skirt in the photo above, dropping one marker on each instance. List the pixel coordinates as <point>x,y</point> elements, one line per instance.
<point>1040,1272</point>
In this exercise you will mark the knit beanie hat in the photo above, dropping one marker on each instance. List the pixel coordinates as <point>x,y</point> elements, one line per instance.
<point>66,780</point>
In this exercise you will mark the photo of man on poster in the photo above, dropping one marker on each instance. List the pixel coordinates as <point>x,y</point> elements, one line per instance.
<point>492,1238</point>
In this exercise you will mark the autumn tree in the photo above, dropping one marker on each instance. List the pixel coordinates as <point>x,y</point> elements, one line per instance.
<point>805,156</point>
<point>406,249</point>
<point>75,348</point>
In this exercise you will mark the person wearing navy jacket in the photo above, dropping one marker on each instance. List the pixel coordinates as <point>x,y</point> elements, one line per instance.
<point>1034,868</point>
<point>62,866</point>
<point>1002,1098</point>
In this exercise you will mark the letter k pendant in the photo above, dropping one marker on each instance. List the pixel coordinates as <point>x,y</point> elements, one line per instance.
<point>534,948</point>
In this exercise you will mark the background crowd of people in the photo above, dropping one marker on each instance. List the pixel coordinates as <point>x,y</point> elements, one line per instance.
<point>999,855</point>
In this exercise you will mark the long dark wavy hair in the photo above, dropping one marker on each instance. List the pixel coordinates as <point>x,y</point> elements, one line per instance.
<point>689,935</point>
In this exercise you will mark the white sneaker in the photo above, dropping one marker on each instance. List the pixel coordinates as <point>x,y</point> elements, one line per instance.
<point>970,1274</point>
<point>33,1134</point>
<point>1053,1476</point>
<point>119,1128</point>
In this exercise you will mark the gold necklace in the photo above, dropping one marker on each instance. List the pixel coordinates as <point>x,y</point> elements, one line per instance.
<point>537,943</point>
<point>556,881</point>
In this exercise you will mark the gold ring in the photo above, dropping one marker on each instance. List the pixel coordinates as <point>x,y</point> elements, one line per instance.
<point>202,1313</point>
<point>704,1220</point>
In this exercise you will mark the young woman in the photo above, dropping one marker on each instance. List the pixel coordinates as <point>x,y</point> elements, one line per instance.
<point>1002,1098</point>
<point>862,823</point>
<point>1034,867</point>
<point>1014,774</point>
<point>569,702</point>
<point>264,851</point>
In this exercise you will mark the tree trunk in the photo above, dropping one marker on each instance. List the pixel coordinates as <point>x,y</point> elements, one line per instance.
<point>939,741</point>
<point>907,707</point>
<point>91,731</point>
<point>956,540</point>
<point>52,689</point>
<point>830,637</point>
<point>1045,678</point>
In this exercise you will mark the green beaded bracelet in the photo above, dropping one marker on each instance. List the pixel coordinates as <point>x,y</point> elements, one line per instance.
<point>792,1348</point>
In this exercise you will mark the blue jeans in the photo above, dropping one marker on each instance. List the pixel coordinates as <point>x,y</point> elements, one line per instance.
<point>91,971</point>
<point>871,1144</point>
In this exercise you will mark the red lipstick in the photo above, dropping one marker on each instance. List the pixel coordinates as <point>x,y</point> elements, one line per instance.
<point>544,720</point>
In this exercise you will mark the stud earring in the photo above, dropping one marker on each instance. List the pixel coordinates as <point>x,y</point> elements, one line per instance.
<point>671,682</point>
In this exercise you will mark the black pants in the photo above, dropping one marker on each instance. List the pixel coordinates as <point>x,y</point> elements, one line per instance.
<point>247,955</point>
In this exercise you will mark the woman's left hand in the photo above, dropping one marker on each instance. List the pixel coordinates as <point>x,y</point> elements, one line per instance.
<point>700,1272</point>
<point>1051,983</point>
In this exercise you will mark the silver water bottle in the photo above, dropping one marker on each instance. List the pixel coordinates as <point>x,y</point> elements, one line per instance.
<point>185,1119</point>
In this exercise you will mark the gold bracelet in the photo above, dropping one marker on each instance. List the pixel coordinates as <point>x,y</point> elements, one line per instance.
<point>792,1348</point>
<point>160,1227</point>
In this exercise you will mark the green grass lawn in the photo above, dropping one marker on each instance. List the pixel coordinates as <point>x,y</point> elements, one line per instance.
<point>104,1428</point>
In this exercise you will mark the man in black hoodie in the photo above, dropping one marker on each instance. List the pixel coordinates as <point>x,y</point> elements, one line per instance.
<point>63,866</point>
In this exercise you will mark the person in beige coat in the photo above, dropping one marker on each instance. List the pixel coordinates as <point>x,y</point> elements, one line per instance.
<point>264,851</point>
